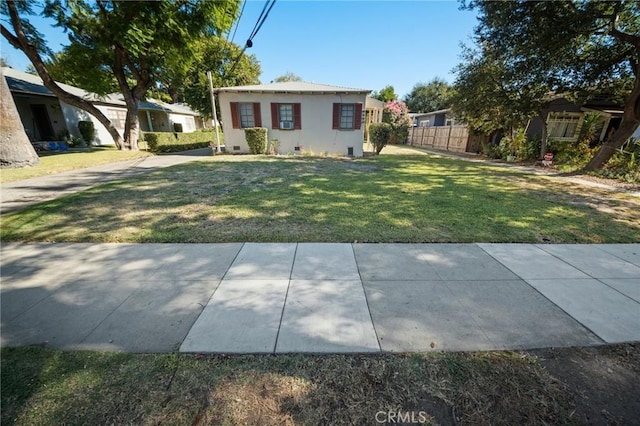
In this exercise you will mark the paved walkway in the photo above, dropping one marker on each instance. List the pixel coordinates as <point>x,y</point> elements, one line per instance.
<point>20,194</point>
<point>313,297</point>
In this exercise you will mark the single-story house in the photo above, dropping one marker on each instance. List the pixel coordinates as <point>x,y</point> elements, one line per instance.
<point>565,119</point>
<point>46,118</point>
<point>303,117</point>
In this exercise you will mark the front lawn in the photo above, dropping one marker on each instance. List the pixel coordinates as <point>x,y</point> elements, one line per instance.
<point>389,198</point>
<point>57,162</point>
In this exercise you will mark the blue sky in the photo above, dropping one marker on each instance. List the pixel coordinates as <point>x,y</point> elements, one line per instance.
<point>364,44</point>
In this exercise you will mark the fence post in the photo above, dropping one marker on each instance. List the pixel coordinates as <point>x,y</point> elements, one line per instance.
<point>449,137</point>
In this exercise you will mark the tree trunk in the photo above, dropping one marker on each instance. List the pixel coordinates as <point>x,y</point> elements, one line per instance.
<point>627,128</point>
<point>544,136</point>
<point>132,126</point>
<point>629,124</point>
<point>21,42</point>
<point>15,148</point>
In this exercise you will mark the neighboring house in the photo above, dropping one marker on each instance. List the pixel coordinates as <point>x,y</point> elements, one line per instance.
<point>303,117</point>
<point>565,118</point>
<point>443,117</point>
<point>46,118</point>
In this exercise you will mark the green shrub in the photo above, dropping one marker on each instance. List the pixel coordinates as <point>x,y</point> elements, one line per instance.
<point>172,142</point>
<point>625,164</point>
<point>256,138</point>
<point>529,149</point>
<point>572,153</point>
<point>379,134</point>
<point>87,130</point>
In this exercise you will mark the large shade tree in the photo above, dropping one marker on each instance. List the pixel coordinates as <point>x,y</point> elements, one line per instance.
<point>132,42</point>
<point>595,44</point>
<point>490,93</point>
<point>30,41</point>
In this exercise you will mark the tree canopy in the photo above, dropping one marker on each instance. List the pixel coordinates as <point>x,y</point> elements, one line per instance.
<point>218,56</point>
<point>133,42</point>
<point>432,96</point>
<point>579,46</point>
<point>386,94</point>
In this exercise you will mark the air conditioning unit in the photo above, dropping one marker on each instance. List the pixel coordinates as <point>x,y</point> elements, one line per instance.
<point>286,125</point>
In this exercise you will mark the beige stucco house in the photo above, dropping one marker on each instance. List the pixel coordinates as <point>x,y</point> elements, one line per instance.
<point>303,117</point>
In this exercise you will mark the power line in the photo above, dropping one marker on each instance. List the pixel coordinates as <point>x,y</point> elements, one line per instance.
<point>244,3</point>
<point>263,17</point>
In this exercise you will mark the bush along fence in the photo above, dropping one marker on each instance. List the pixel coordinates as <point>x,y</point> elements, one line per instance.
<point>448,138</point>
<point>172,142</point>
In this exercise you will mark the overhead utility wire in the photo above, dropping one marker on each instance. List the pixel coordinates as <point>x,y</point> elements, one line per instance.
<point>244,3</point>
<point>263,17</point>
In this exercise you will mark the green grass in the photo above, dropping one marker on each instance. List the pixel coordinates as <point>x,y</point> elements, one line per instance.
<point>51,163</point>
<point>43,386</point>
<point>389,198</point>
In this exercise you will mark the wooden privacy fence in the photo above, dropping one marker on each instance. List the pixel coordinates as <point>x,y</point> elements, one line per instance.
<point>448,138</point>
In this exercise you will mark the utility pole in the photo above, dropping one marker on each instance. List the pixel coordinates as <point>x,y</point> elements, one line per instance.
<point>215,114</point>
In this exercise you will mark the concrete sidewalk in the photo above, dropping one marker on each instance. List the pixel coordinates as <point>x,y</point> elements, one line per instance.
<point>20,194</point>
<point>318,297</point>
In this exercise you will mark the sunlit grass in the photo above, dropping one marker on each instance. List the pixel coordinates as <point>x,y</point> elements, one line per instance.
<point>51,163</point>
<point>381,199</point>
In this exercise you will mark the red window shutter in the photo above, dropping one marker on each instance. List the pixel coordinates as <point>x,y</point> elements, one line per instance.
<point>235,118</point>
<point>336,117</point>
<point>297,117</point>
<point>275,122</point>
<point>257,117</point>
<point>357,120</point>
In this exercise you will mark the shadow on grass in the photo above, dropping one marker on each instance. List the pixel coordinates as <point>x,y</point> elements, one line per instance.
<point>41,386</point>
<point>382,199</point>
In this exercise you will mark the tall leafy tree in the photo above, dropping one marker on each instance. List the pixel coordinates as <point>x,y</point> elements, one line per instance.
<point>387,94</point>
<point>491,93</point>
<point>585,45</point>
<point>221,58</point>
<point>432,96</point>
<point>28,39</point>
<point>131,42</point>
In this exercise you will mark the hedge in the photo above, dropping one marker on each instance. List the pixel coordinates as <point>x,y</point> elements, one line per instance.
<point>172,142</point>
<point>256,139</point>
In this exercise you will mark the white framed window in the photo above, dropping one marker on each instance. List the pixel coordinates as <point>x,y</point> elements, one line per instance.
<point>285,113</point>
<point>117,117</point>
<point>245,111</point>
<point>565,125</point>
<point>189,124</point>
<point>347,116</point>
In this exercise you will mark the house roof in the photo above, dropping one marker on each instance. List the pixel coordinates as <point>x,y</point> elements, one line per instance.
<point>370,102</point>
<point>422,114</point>
<point>22,82</point>
<point>292,87</point>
